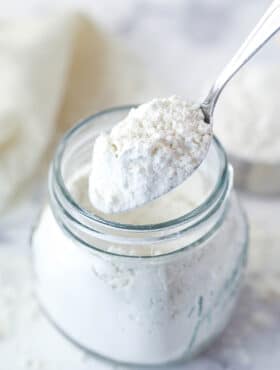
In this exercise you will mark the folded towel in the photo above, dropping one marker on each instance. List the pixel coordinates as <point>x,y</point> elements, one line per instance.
<point>53,72</point>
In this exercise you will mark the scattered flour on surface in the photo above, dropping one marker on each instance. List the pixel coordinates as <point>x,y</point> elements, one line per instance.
<point>154,149</point>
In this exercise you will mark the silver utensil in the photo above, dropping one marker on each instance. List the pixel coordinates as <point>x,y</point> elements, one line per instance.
<point>268,25</point>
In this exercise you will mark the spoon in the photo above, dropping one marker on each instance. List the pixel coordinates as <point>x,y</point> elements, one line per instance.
<point>268,25</point>
<point>122,192</point>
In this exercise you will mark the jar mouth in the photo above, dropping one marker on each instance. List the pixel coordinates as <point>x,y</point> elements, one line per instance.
<point>214,198</point>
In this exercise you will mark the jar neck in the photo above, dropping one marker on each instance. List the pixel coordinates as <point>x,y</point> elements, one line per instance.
<point>97,233</point>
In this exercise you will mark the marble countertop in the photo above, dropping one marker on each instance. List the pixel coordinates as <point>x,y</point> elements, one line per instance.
<point>181,43</point>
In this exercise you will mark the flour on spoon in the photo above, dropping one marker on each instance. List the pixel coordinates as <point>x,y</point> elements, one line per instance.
<point>153,150</point>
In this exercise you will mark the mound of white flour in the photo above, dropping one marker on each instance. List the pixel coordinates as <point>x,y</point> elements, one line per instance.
<point>247,116</point>
<point>154,149</point>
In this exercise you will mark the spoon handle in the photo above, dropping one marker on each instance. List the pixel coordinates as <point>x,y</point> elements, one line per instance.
<point>268,25</point>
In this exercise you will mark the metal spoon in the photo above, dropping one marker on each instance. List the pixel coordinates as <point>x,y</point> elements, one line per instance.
<point>264,30</point>
<point>268,25</point>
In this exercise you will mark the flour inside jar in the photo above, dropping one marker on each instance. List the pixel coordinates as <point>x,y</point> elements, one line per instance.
<point>172,205</point>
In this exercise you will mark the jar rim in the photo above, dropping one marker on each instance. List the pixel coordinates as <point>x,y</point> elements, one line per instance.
<point>189,216</point>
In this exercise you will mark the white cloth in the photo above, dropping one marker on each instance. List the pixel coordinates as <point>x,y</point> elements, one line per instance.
<point>53,72</point>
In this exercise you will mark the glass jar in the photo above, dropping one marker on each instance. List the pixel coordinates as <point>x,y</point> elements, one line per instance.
<point>147,294</point>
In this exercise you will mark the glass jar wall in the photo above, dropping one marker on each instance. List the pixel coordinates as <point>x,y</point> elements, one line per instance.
<point>149,287</point>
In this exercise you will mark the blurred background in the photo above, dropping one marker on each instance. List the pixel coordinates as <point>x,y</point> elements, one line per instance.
<point>183,34</point>
<point>60,62</point>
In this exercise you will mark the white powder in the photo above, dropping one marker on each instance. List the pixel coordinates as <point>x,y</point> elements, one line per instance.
<point>265,252</point>
<point>198,185</point>
<point>247,117</point>
<point>154,149</point>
